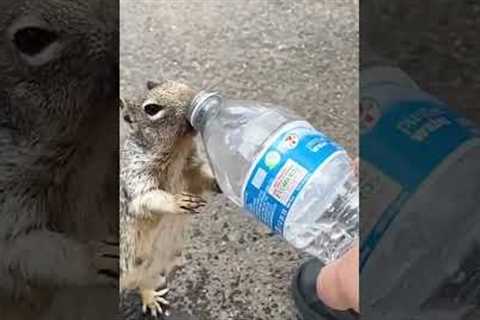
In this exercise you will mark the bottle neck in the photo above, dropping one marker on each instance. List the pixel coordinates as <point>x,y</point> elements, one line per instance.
<point>202,108</point>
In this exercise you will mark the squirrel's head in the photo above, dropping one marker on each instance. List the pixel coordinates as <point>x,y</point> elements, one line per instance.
<point>59,62</point>
<point>160,119</point>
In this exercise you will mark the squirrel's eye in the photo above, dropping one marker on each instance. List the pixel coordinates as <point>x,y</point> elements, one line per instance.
<point>33,40</point>
<point>152,109</point>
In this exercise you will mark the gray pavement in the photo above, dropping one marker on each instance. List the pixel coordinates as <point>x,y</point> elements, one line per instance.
<point>302,54</point>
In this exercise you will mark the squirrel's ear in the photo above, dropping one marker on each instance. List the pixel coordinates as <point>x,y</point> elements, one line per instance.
<point>123,103</point>
<point>124,110</point>
<point>152,84</point>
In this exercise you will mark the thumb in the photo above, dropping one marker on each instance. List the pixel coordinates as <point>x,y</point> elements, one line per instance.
<point>338,282</point>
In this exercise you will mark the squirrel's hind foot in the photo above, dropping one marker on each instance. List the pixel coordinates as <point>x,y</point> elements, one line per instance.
<point>155,301</point>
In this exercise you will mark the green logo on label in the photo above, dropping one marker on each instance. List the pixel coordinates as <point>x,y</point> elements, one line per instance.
<point>272,159</point>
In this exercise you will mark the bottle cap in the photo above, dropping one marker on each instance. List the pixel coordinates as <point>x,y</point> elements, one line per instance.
<point>199,102</point>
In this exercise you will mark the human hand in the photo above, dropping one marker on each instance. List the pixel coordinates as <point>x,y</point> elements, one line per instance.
<point>338,282</point>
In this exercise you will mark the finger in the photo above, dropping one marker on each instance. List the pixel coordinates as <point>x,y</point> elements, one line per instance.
<point>195,205</point>
<point>112,241</point>
<point>107,265</point>
<point>163,301</point>
<point>187,209</point>
<point>110,251</point>
<point>106,273</point>
<point>162,292</point>
<point>338,282</point>
<point>194,200</point>
<point>328,288</point>
<point>158,307</point>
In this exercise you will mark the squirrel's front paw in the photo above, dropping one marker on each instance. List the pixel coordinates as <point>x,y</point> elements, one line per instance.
<point>189,203</point>
<point>105,256</point>
<point>154,300</point>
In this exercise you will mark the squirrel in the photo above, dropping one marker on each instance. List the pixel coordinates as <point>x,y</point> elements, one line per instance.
<point>58,183</point>
<point>161,180</point>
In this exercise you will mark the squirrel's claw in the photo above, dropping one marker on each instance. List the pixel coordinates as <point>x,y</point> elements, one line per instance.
<point>106,260</point>
<point>189,203</point>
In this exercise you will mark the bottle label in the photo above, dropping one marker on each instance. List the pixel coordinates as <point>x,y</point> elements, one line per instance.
<point>403,142</point>
<point>282,169</point>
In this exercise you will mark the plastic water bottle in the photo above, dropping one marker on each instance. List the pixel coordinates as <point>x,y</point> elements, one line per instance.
<point>288,175</point>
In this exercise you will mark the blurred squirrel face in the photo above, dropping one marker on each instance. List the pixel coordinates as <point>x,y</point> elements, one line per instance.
<point>58,65</point>
<point>45,33</point>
